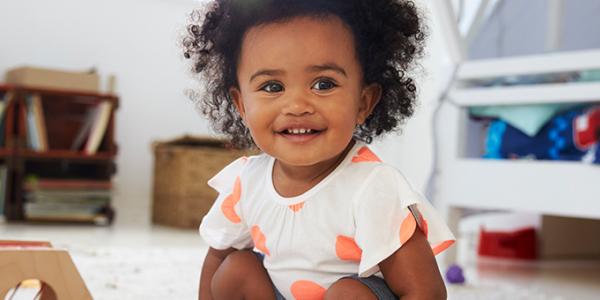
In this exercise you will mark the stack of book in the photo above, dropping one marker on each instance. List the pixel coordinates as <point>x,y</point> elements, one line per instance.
<point>66,199</point>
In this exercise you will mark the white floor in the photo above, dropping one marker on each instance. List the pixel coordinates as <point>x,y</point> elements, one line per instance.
<point>134,260</point>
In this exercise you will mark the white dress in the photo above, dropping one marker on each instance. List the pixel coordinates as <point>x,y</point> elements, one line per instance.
<point>347,224</point>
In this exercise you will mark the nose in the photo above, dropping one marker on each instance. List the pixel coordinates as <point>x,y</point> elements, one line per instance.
<point>298,104</point>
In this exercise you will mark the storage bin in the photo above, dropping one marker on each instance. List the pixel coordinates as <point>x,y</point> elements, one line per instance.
<point>182,167</point>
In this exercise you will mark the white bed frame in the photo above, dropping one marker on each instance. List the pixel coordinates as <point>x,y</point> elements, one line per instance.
<point>465,181</point>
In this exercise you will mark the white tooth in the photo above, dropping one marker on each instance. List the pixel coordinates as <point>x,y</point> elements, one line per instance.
<point>308,130</point>
<point>302,131</point>
<point>296,131</point>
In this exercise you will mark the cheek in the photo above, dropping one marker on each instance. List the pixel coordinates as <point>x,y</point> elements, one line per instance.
<point>258,116</point>
<point>346,114</point>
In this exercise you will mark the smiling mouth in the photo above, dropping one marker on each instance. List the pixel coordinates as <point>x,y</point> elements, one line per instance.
<point>300,131</point>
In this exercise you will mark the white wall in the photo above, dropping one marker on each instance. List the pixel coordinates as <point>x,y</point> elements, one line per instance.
<point>137,41</point>
<point>411,151</point>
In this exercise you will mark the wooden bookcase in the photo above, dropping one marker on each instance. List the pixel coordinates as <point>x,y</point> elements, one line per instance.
<point>64,113</point>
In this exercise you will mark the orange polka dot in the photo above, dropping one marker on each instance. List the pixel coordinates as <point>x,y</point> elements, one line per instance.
<point>365,155</point>
<point>442,246</point>
<point>407,228</point>
<point>347,249</point>
<point>228,206</point>
<point>260,240</point>
<point>307,290</point>
<point>297,207</point>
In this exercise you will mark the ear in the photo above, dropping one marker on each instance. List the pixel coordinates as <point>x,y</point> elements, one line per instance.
<point>236,96</point>
<point>370,96</point>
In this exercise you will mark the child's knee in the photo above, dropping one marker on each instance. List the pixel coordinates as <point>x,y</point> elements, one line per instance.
<point>239,276</point>
<point>235,269</point>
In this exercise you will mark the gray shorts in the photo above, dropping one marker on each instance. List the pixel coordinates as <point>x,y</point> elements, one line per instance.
<point>376,284</point>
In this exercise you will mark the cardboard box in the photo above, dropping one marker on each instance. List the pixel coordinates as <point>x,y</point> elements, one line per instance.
<point>54,79</point>
<point>181,196</point>
<point>569,238</point>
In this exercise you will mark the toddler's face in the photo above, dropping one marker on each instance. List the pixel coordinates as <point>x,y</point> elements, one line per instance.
<point>301,90</point>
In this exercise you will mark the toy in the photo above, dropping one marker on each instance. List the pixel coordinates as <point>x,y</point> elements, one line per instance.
<point>25,260</point>
<point>454,274</point>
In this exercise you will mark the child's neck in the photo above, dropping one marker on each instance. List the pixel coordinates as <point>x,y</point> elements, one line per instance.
<point>291,181</point>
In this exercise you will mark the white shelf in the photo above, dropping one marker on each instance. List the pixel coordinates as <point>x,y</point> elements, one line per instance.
<point>548,187</point>
<point>530,94</point>
<point>530,64</point>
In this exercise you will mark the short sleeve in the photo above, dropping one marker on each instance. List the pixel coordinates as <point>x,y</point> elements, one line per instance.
<point>223,227</point>
<point>387,212</point>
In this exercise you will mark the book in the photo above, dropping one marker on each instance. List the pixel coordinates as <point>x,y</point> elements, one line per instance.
<point>40,122</point>
<point>65,213</point>
<point>66,184</point>
<point>2,107</point>
<point>3,186</point>
<point>4,102</point>
<point>74,197</point>
<point>63,208</point>
<point>98,128</point>
<point>85,129</point>
<point>8,96</point>
<point>37,136</point>
<point>32,135</point>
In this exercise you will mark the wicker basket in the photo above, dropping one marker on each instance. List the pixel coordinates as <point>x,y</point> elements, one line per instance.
<point>182,167</point>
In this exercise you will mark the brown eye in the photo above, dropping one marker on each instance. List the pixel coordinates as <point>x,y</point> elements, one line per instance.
<point>323,85</point>
<point>272,87</point>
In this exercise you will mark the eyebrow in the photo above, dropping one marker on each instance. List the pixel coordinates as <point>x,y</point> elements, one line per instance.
<point>266,72</point>
<point>327,67</point>
<point>314,68</point>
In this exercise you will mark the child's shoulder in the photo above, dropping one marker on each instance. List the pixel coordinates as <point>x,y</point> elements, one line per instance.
<point>363,164</point>
<point>239,170</point>
<point>249,164</point>
<point>367,172</point>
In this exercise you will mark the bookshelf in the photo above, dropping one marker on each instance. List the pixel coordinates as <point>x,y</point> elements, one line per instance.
<point>60,153</point>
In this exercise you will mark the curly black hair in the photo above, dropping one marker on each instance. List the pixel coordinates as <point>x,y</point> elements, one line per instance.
<point>389,36</point>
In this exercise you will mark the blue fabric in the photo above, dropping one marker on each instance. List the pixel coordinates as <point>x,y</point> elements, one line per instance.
<point>529,118</point>
<point>555,141</point>
<point>377,285</point>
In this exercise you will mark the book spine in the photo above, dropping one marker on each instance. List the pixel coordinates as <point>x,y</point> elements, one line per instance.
<point>40,122</point>
<point>99,128</point>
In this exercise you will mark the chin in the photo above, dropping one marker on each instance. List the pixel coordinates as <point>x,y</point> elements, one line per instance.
<point>298,161</point>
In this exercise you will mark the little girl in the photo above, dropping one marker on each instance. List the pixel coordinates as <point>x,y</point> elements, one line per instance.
<point>318,215</point>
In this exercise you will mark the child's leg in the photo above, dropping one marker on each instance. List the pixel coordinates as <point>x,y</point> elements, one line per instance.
<point>242,276</point>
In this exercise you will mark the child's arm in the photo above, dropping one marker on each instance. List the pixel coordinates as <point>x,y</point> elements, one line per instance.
<point>212,261</point>
<point>412,272</point>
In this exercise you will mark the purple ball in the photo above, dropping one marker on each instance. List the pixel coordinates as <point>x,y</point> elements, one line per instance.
<point>454,274</point>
